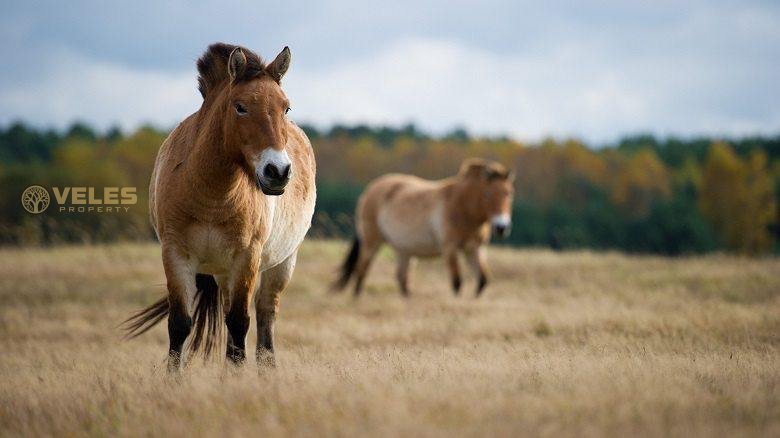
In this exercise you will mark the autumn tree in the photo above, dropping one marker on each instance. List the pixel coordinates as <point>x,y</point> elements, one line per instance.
<point>641,180</point>
<point>738,199</point>
<point>761,208</point>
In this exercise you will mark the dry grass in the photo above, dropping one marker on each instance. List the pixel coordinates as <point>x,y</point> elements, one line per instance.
<point>574,343</point>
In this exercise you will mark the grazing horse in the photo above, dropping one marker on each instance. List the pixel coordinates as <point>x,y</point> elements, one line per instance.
<point>231,198</point>
<point>421,218</point>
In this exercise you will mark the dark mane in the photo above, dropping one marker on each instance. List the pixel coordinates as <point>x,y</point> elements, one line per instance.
<point>213,70</point>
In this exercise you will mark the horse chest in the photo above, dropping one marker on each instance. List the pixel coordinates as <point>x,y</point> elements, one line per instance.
<point>288,228</point>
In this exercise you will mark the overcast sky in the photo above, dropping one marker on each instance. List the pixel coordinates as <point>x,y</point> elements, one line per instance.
<point>597,70</point>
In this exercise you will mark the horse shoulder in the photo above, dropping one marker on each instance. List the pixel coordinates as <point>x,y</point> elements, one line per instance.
<point>166,188</point>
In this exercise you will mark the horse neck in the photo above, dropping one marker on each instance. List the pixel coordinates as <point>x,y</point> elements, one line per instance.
<point>467,204</point>
<point>213,168</point>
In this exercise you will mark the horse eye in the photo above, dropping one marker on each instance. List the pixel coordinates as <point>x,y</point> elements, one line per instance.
<point>287,110</point>
<point>240,110</point>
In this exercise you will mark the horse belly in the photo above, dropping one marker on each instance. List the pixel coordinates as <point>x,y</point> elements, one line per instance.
<point>409,234</point>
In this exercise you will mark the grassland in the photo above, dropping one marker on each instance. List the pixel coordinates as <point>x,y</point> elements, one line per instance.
<point>561,344</point>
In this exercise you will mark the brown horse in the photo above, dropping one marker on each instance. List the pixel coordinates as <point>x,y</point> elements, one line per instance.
<point>421,218</point>
<point>231,198</point>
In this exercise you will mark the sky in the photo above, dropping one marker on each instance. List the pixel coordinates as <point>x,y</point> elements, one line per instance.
<point>595,70</point>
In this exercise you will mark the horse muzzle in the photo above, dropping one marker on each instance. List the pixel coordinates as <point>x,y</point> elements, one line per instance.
<point>273,170</point>
<point>274,179</point>
<point>501,231</point>
<point>501,225</point>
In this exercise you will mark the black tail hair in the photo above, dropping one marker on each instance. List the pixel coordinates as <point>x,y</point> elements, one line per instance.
<point>348,267</point>
<point>208,317</point>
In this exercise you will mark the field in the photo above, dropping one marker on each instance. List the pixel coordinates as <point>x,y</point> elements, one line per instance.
<point>561,344</point>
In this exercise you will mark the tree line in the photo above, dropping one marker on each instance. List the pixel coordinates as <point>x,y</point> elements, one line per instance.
<point>640,194</point>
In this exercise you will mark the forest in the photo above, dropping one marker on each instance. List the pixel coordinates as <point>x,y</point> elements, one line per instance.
<point>641,194</point>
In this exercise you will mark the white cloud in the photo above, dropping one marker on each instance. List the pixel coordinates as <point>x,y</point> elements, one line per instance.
<point>100,93</point>
<point>575,88</point>
<point>441,84</point>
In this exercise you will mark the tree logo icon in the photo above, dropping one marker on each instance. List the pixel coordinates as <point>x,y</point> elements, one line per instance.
<point>35,199</point>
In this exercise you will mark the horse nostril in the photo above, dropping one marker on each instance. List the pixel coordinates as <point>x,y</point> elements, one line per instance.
<point>286,172</point>
<point>271,172</point>
<point>274,174</point>
<point>502,230</point>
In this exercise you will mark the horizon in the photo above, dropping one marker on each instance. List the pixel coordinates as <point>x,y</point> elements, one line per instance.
<point>327,130</point>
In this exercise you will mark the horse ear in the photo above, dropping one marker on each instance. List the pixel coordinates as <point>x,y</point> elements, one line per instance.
<point>472,167</point>
<point>279,66</point>
<point>510,176</point>
<point>236,63</point>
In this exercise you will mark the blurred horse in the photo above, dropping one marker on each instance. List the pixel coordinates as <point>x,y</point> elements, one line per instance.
<point>231,198</point>
<point>421,218</point>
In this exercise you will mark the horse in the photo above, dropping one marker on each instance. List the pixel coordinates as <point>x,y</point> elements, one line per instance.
<point>422,218</point>
<point>231,198</point>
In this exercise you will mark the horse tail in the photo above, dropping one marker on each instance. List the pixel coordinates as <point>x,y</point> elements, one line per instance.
<point>348,267</point>
<point>208,316</point>
<point>143,320</point>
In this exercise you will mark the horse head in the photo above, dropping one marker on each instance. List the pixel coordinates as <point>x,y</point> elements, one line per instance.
<point>253,108</point>
<point>493,188</point>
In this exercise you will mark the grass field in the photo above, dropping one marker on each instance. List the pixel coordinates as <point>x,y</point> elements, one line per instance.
<point>572,344</point>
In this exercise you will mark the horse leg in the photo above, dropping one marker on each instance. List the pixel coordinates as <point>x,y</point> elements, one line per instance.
<point>402,272</point>
<point>476,261</point>
<point>243,276</point>
<point>272,283</point>
<point>180,275</point>
<point>364,262</point>
<point>451,258</point>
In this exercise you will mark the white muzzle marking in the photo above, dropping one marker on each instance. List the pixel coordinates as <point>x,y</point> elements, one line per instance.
<point>501,221</point>
<point>279,159</point>
<point>273,171</point>
<point>501,224</point>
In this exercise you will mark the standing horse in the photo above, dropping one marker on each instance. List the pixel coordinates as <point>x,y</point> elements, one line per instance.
<point>231,198</point>
<point>421,218</point>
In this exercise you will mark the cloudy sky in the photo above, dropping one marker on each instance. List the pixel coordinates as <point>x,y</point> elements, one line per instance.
<point>596,70</point>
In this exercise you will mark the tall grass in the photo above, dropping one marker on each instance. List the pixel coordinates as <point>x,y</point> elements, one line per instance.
<point>561,344</point>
